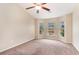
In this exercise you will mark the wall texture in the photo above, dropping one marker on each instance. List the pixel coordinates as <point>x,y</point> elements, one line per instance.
<point>16,26</point>
<point>76,27</point>
<point>67,19</point>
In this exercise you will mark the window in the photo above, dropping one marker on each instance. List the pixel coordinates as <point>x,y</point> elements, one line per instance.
<point>51,27</point>
<point>62,29</point>
<point>41,31</point>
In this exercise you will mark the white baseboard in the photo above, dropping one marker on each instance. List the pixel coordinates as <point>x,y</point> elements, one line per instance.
<point>15,45</point>
<point>75,47</point>
<point>62,40</point>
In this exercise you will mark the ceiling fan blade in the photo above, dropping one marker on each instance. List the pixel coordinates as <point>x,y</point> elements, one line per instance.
<point>30,7</point>
<point>43,3</point>
<point>45,8</point>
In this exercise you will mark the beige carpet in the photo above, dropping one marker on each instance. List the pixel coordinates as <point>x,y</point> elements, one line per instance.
<point>42,47</point>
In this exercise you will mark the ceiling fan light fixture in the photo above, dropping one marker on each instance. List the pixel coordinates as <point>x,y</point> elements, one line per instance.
<point>38,7</point>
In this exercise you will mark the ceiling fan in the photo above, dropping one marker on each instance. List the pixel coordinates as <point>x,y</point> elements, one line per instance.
<point>38,6</point>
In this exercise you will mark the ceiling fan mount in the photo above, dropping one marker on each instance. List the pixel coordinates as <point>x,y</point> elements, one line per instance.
<point>38,6</point>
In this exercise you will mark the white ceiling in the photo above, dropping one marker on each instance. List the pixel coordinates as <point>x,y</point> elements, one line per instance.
<point>57,9</point>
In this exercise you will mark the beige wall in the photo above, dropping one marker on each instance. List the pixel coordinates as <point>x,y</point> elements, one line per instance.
<point>69,28</point>
<point>67,19</point>
<point>76,27</point>
<point>16,26</point>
